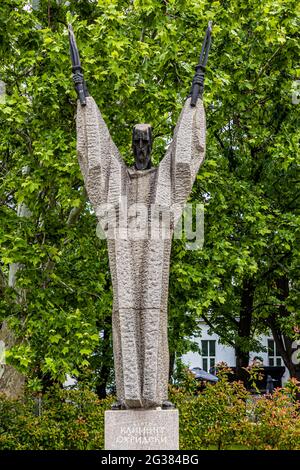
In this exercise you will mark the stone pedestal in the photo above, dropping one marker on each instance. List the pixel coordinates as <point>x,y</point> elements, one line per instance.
<point>142,430</point>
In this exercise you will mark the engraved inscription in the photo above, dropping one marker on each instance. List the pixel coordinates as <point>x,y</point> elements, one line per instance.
<point>144,433</point>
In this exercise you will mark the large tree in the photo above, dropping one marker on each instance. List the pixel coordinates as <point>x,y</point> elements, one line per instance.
<point>138,58</point>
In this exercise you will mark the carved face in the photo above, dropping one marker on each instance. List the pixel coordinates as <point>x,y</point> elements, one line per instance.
<point>141,146</point>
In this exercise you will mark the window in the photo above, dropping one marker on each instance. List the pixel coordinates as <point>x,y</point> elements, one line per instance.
<point>273,354</point>
<point>208,349</point>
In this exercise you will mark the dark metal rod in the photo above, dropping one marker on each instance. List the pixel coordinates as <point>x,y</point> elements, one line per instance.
<point>77,70</point>
<point>198,80</point>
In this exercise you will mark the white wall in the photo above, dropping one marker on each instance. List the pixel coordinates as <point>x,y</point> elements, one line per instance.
<point>225,353</point>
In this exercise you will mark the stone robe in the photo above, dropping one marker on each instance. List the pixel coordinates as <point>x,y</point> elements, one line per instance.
<point>148,204</point>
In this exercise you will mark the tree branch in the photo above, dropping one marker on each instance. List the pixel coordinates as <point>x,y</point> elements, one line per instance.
<point>219,333</point>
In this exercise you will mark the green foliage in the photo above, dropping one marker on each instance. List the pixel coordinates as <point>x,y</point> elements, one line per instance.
<point>255,372</point>
<point>139,59</point>
<point>184,378</point>
<point>69,420</point>
<point>223,416</point>
<point>214,417</point>
<point>277,422</point>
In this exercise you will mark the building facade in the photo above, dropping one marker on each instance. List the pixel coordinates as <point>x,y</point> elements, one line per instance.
<point>213,352</point>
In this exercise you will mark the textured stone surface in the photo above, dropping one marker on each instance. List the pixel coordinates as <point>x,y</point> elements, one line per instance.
<point>139,265</point>
<point>142,430</point>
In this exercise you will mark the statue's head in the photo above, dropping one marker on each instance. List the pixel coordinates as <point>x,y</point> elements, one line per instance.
<point>142,145</point>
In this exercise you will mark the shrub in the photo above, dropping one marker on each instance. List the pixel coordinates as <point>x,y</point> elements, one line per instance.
<point>223,416</point>
<point>212,418</point>
<point>277,422</point>
<point>70,419</point>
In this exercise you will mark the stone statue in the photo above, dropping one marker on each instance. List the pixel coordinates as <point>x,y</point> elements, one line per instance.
<point>138,209</point>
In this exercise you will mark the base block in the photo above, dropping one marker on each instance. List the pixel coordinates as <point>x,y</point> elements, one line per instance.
<point>142,430</point>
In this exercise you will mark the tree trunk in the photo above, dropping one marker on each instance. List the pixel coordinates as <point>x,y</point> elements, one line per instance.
<point>171,365</point>
<point>244,330</point>
<point>284,344</point>
<point>105,369</point>
<point>11,381</point>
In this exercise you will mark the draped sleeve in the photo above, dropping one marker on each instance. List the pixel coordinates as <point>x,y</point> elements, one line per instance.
<point>178,169</point>
<point>101,164</point>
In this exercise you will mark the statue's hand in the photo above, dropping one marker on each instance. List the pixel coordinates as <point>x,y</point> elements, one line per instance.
<point>197,84</point>
<point>78,79</point>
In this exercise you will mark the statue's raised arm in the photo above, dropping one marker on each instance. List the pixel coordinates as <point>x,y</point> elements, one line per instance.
<point>101,164</point>
<point>178,169</point>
